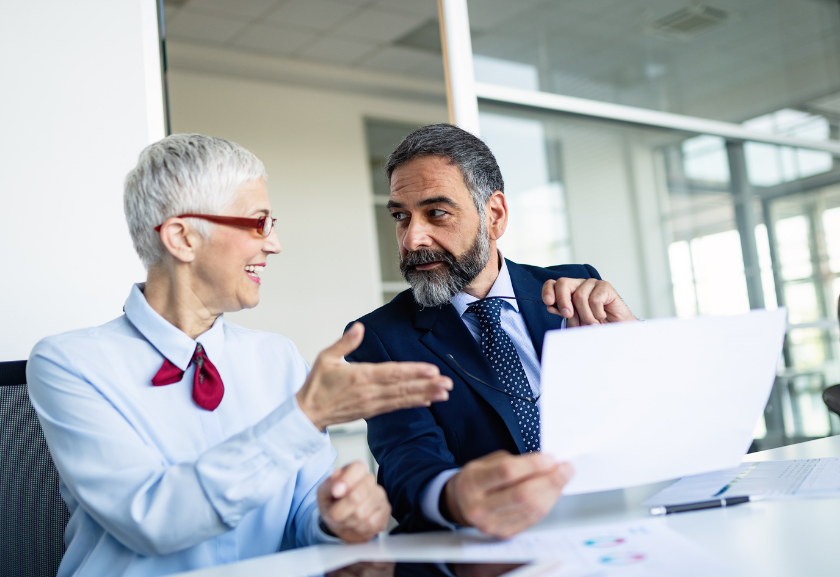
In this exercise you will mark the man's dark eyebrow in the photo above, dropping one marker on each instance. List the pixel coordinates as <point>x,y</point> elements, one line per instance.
<point>439,200</point>
<point>426,202</point>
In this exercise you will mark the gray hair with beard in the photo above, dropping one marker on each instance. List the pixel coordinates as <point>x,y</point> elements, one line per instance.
<point>435,288</point>
<point>482,177</point>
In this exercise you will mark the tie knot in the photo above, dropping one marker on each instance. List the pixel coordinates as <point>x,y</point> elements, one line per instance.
<point>488,311</point>
<point>199,355</point>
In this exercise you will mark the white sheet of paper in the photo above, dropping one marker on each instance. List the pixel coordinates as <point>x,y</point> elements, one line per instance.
<point>636,403</point>
<point>646,548</point>
<point>767,479</point>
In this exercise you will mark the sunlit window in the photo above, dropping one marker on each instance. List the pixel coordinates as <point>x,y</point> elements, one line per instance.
<point>682,277</point>
<point>765,263</point>
<point>769,165</point>
<point>831,225</point>
<point>708,275</point>
<point>803,306</point>
<point>794,247</point>
<point>704,158</point>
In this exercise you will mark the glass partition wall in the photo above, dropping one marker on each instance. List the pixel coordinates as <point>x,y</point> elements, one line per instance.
<point>382,138</point>
<point>691,149</point>
<point>773,244</point>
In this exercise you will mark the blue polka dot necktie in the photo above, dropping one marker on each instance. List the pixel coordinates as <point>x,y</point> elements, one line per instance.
<point>499,350</point>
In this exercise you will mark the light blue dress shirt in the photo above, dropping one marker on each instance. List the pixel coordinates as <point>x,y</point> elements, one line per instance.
<point>157,485</point>
<point>514,324</point>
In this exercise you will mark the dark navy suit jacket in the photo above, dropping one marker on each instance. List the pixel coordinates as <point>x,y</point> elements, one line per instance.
<point>412,446</point>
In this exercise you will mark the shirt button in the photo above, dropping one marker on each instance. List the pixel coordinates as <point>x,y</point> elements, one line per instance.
<point>298,455</point>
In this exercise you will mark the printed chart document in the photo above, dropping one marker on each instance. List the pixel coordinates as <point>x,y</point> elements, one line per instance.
<point>636,403</point>
<point>645,547</point>
<point>767,479</point>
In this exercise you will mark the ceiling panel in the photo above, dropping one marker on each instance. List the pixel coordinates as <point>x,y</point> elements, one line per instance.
<point>273,40</point>
<point>829,104</point>
<point>335,50</point>
<point>241,8</point>
<point>425,8</point>
<point>489,13</point>
<point>591,46</point>
<point>320,15</point>
<point>432,69</point>
<point>201,27</point>
<point>169,12</point>
<point>342,32</point>
<point>608,46</point>
<point>376,24</point>
<point>398,60</point>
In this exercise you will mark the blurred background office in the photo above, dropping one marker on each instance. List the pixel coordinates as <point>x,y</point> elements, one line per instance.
<point>687,150</point>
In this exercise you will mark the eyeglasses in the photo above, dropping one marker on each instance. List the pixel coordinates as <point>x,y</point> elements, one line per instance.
<point>264,224</point>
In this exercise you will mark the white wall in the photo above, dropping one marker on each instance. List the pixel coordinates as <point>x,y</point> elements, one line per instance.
<point>80,99</point>
<point>612,184</point>
<point>312,142</point>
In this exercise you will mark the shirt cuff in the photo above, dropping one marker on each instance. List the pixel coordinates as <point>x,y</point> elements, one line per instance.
<point>322,536</point>
<point>288,436</point>
<point>430,502</point>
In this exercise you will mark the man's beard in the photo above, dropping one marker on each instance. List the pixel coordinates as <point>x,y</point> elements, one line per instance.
<point>437,286</point>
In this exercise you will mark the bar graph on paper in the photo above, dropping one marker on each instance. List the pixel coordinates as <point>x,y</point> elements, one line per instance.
<point>639,548</point>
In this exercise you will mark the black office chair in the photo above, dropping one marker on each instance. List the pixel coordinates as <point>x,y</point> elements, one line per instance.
<point>831,395</point>
<point>32,514</point>
<point>831,398</point>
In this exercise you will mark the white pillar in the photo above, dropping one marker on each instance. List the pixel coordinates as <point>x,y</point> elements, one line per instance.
<point>458,64</point>
<point>81,98</point>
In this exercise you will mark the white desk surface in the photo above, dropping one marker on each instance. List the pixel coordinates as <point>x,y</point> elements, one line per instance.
<point>767,538</point>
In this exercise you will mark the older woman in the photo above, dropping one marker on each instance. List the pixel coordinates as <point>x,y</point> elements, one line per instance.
<point>181,440</point>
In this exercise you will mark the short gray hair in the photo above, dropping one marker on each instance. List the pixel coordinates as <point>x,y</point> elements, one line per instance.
<point>481,172</point>
<point>183,173</point>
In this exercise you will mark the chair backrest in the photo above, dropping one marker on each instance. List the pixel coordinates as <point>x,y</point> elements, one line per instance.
<point>32,514</point>
<point>831,396</point>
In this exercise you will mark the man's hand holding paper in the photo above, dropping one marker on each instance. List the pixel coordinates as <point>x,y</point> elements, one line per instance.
<point>502,494</point>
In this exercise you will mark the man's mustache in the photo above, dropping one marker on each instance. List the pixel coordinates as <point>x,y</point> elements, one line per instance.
<point>426,256</point>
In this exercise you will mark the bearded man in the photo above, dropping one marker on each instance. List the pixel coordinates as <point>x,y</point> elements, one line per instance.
<point>473,460</point>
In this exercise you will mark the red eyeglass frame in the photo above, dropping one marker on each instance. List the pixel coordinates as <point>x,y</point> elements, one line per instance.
<point>256,223</point>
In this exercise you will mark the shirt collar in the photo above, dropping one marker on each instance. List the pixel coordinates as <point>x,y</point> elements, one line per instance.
<point>169,340</point>
<point>501,287</point>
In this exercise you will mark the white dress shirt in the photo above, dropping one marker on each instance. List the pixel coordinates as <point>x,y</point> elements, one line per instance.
<point>514,324</point>
<point>157,485</point>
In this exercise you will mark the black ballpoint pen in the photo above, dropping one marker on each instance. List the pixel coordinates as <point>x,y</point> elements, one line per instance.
<point>713,504</point>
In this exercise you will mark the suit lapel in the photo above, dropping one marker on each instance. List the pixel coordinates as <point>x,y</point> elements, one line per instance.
<point>448,338</point>
<point>537,318</point>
